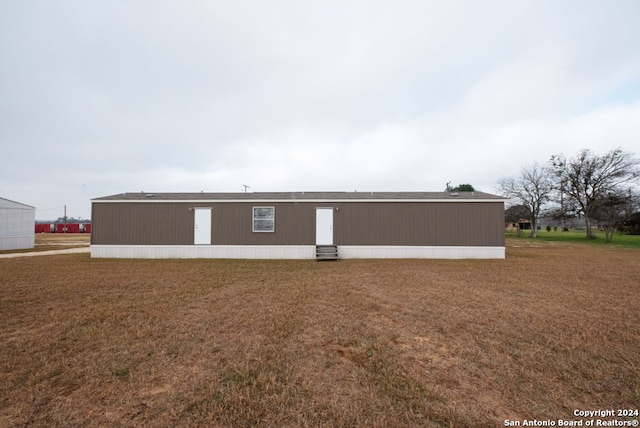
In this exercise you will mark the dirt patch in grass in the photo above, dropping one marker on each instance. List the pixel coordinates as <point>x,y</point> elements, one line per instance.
<point>462,343</point>
<point>54,241</point>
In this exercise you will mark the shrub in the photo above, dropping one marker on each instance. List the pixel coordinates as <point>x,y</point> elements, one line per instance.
<point>631,225</point>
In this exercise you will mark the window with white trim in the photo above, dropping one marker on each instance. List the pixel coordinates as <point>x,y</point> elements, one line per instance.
<point>264,219</point>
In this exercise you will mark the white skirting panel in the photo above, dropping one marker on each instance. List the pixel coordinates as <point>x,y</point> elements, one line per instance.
<point>290,252</point>
<point>204,251</point>
<point>399,252</point>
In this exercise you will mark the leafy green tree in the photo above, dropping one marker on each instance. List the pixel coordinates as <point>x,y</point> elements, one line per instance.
<point>464,188</point>
<point>460,188</point>
<point>632,224</point>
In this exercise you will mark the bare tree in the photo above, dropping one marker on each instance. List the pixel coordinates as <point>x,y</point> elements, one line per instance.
<point>612,210</point>
<point>588,178</point>
<point>531,188</point>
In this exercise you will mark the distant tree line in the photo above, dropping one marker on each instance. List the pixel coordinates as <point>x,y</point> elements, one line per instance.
<point>599,189</point>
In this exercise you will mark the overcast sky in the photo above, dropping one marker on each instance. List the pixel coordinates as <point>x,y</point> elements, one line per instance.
<point>105,97</point>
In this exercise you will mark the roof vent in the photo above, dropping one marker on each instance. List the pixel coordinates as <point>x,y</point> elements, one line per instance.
<point>150,195</point>
<point>454,193</point>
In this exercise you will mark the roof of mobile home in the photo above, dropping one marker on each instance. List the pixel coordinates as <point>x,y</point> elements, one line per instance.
<point>305,196</point>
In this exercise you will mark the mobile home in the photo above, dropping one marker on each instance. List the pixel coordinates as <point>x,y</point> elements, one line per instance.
<point>299,225</point>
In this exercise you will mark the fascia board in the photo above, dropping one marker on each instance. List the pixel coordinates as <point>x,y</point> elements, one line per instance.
<point>265,201</point>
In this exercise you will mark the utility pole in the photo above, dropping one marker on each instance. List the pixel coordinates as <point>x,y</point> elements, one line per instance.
<point>562,212</point>
<point>64,220</point>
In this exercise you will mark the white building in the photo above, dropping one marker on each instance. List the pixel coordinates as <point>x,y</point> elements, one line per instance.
<point>17,225</point>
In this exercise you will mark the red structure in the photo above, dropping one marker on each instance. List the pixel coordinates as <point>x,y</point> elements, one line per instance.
<point>63,228</point>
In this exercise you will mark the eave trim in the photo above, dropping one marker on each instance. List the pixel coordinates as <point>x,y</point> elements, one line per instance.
<point>264,201</point>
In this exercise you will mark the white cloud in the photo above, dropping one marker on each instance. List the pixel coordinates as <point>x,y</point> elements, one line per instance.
<point>104,98</point>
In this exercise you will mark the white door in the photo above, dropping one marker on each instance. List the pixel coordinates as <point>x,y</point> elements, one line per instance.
<point>324,226</point>
<point>202,226</point>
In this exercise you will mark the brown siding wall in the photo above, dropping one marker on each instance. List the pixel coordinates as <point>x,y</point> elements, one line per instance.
<point>172,224</point>
<point>428,224</point>
<point>142,224</point>
<point>361,223</point>
<point>294,224</point>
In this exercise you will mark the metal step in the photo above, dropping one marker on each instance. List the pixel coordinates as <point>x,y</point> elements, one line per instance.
<point>326,252</point>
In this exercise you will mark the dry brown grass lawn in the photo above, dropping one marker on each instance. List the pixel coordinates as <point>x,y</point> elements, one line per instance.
<point>57,241</point>
<point>54,241</point>
<point>552,328</point>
